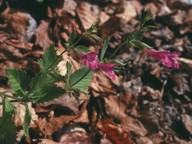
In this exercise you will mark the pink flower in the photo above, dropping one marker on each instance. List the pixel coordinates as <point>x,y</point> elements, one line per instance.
<point>166,57</point>
<point>108,68</point>
<point>90,59</point>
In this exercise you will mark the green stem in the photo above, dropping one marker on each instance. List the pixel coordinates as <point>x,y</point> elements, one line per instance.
<point>8,96</point>
<point>118,48</point>
<point>78,39</point>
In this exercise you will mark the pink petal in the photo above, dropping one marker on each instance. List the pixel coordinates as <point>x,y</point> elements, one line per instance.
<point>166,57</point>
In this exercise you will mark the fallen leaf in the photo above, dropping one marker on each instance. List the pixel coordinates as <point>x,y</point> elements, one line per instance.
<point>114,132</point>
<point>19,24</point>
<point>54,124</point>
<point>187,121</point>
<point>42,35</point>
<point>87,13</point>
<point>20,114</point>
<point>128,11</point>
<point>114,109</point>
<point>75,136</point>
<point>43,141</point>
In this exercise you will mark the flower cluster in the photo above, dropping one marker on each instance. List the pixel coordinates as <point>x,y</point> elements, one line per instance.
<point>166,57</point>
<point>90,59</point>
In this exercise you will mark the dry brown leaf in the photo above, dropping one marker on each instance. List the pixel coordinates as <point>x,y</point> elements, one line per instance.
<point>133,125</point>
<point>187,121</point>
<point>54,124</point>
<point>44,141</point>
<point>19,44</point>
<point>88,14</point>
<point>102,83</point>
<point>19,24</point>
<point>111,26</point>
<point>152,7</point>
<point>42,35</point>
<point>114,109</point>
<point>128,11</point>
<point>114,132</point>
<point>20,114</point>
<point>67,101</point>
<point>75,136</point>
<point>69,7</point>
<point>103,17</point>
<point>83,116</point>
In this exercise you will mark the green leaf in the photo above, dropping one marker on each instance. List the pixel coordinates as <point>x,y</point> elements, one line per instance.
<point>47,93</point>
<point>42,79</point>
<point>82,49</point>
<point>27,120</point>
<point>104,48</point>
<point>135,35</point>
<point>139,44</point>
<point>80,79</point>
<point>72,37</point>
<point>19,80</point>
<point>49,59</point>
<point>92,28</point>
<point>7,127</point>
<point>8,110</point>
<point>145,16</point>
<point>149,28</point>
<point>94,36</point>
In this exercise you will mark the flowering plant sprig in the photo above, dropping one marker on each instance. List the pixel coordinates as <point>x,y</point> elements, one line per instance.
<point>42,87</point>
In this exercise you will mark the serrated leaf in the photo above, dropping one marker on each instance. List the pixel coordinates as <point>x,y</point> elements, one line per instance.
<point>82,49</point>
<point>149,28</point>
<point>42,79</point>
<point>7,127</point>
<point>104,48</point>
<point>80,79</point>
<point>139,44</point>
<point>19,80</point>
<point>49,59</point>
<point>94,36</point>
<point>27,120</point>
<point>72,37</point>
<point>47,93</point>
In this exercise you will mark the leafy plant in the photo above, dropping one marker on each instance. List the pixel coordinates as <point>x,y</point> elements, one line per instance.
<point>42,87</point>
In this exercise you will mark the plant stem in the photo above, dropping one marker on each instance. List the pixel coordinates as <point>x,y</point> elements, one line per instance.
<point>78,39</point>
<point>118,48</point>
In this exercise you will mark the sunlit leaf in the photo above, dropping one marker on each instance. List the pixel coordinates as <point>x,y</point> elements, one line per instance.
<point>139,44</point>
<point>104,48</point>
<point>94,36</point>
<point>19,80</point>
<point>49,59</point>
<point>80,79</point>
<point>82,49</point>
